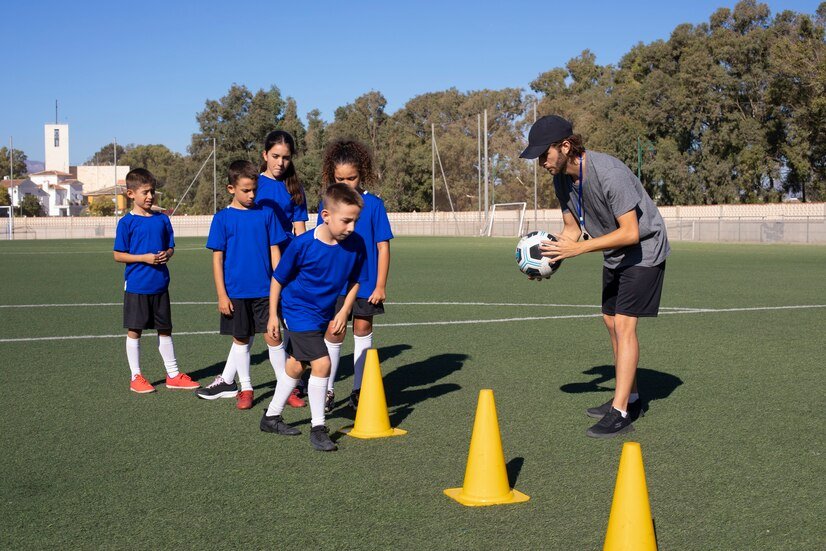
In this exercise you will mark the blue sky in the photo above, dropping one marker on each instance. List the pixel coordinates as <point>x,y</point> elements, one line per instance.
<point>140,71</point>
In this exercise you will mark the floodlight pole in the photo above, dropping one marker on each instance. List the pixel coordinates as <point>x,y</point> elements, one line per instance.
<point>535,164</point>
<point>433,175</point>
<point>485,131</point>
<point>214,180</point>
<point>115,189</point>
<point>479,164</point>
<point>11,177</point>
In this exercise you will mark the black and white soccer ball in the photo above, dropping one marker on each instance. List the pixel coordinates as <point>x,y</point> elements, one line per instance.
<point>530,259</point>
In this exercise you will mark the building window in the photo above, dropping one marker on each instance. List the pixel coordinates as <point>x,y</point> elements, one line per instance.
<point>57,137</point>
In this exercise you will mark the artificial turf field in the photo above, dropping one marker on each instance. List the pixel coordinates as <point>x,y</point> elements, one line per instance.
<point>731,374</point>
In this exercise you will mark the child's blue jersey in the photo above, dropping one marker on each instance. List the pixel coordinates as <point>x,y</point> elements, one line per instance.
<point>312,274</point>
<point>245,236</point>
<point>140,235</point>
<point>374,227</point>
<point>273,193</point>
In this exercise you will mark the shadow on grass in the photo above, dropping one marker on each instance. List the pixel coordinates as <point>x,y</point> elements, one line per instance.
<point>653,385</point>
<point>514,467</point>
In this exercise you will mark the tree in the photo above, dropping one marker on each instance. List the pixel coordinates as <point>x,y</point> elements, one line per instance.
<point>5,198</point>
<point>20,170</point>
<point>105,156</point>
<point>30,206</point>
<point>168,167</point>
<point>102,207</point>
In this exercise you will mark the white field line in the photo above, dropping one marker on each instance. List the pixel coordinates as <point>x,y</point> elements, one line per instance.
<point>454,322</point>
<point>212,302</point>
<point>38,253</point>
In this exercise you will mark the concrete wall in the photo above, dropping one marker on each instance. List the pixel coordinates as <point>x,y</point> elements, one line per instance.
<point>781,223</point>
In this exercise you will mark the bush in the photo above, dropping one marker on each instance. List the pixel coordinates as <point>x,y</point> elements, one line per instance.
<point>30,206</point>
<point>102,208</point>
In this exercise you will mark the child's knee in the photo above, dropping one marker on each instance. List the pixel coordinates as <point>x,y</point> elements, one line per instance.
<point>362,326</point>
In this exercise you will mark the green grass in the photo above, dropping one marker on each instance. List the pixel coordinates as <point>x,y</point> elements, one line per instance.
<point>733,439</point>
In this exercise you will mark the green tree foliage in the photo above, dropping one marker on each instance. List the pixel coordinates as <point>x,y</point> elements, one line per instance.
<point>168,167</point>
<point>102,208</point>
<point>5,198</point>
<point>20,170</point>
<point>30,206</point>
<point>105,156</point>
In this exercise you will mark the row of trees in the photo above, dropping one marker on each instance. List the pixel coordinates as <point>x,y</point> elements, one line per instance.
<point>732,110</point>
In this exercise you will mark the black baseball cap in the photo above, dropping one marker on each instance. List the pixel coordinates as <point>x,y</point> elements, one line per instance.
<point>547,130</point>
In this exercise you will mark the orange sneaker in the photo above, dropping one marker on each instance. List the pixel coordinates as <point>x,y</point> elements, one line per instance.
<point>244,400</point>
<point>181,381</point>
<point>295,401</point>
<point>140,385</point>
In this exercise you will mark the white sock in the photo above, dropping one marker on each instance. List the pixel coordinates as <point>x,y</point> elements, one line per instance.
<point>633,397</point>
<point>334,351</point>
<point>228,374</point>
<point>241,359</point>
<point>283,388</point>
<point>167,351</point>
<point>133,355</point>
<point>359,353</point>
<point>278,359</point>
<point>317,392</point>
<point>623,413</point>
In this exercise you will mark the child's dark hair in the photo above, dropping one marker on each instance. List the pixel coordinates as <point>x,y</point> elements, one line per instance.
<point>290,176</point>
<point>241,169</point>
<point>347,152</point>
<point>138,177</point>
<point>338,194</point>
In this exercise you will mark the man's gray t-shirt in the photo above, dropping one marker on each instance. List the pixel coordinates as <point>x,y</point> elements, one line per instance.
<point>610,190</point>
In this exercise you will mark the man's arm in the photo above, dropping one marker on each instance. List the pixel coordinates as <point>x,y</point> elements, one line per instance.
<point>627,233</point>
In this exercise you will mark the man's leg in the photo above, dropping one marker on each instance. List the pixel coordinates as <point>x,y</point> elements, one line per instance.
<point>627,356</point>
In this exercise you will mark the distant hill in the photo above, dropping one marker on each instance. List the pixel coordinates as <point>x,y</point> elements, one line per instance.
<point>35,166</point>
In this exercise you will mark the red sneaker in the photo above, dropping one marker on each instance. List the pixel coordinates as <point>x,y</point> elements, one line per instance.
<point>140,385</point>
<point>244,400</point>
<point>181,381</point>
<point>295,401</point>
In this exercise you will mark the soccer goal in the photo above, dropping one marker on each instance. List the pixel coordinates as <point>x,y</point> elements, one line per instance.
<point>7,225</point>
<point>505,220</point>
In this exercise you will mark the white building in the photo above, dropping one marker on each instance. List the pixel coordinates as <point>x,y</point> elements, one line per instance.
<point>56,146</point>
<point>95,178</point>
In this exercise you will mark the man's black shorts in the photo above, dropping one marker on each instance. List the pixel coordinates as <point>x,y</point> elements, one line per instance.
<point>632,291</point>
<point>249,316</point>
<point>361,308</point>
<point>147,311</point>
<point>305,346</point>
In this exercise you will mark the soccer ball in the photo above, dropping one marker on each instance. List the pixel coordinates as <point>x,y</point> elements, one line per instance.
<point>529,257</point>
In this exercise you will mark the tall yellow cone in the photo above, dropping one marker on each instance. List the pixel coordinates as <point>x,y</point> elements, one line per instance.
<point>486,479</point>
<point>630,526</point>
<point>372,420</point>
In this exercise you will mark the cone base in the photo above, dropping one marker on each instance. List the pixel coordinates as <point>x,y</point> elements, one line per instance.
<point>514,496</point>
<point>368,435</point>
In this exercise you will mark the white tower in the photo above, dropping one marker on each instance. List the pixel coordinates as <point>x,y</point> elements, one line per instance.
<point>56,141</point>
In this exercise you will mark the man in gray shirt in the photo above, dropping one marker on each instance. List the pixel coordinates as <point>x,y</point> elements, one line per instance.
<point>605,204</point>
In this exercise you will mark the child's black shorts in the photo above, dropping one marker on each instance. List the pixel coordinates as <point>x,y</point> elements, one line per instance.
<point>305,346</point>
<point>147,311</point>
<point>632,291</point>
<point>361,308</point>
<point>249,316</point>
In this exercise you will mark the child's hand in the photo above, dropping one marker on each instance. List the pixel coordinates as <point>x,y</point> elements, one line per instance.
<point>378,296</point>
<point>225,306</point>
<point>339,322</point>
<point>150,258</point>
<point>162,257</point>
<point>274,328</point>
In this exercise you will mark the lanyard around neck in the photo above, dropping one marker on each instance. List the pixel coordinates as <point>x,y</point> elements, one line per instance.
<point>581,210</point>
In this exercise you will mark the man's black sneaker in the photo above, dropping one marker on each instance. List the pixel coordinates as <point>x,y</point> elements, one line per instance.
<point>329,402</point>
<point>353,402</point>
<point>320,439</point>
<point>634,410</point>
<point>611,424</point>
<point>218,389</point>
<point>276,424</point>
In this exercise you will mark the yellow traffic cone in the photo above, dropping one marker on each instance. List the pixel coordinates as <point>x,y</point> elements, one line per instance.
<point>630,526</point>
<point>372,420</point>
<point>486,479</point>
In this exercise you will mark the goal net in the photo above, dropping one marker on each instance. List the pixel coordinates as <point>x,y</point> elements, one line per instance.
<point>6,223</point>
<point>505,220</point>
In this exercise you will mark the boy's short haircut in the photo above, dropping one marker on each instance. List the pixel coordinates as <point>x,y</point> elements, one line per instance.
<point>338,194</point>
<point>138,177</point>
<point>241,169</point>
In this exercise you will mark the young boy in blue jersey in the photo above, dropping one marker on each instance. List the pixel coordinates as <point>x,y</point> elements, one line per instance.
<point>304,289</point>
<point>350,162</point>
<point>244,239</point>
<point>144,242</point>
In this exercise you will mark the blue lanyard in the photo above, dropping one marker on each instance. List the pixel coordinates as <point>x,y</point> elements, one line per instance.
<point>581,210</point>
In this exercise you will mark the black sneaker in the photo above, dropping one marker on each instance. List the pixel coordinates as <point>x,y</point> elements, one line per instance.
<point>218,389</point>
<point>320,439</point>
<point>634,410</point>
<point>611,424</point>
<point>353,401</point>
<point>329,402</point>
<point>276,424</point>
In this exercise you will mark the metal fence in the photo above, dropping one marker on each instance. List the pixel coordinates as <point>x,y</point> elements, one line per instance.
<point>729,224</point>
